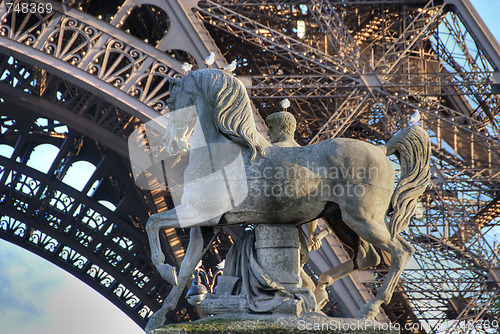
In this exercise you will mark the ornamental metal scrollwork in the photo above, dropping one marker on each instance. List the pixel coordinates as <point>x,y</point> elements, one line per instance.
<point>20,205</point>
<point>52,220</point>
<point>27,185</point>
<point>24,28</point>
<point>61,201</point>
<point>93,219</point>
<point>72,41</point>
<point>13,226</point>
<point>152,87</point>
<point>44,240</point>
<point>100,275</point>
<point>102,52</point>
<point>83,238</point>
<point>116,63</point>
<point>62,223</point>
<point>73,257</point>
<point>112,257</point>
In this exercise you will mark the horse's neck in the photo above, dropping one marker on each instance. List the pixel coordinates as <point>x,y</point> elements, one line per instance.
<point>212,133</point>
<point>210,149</point>
<point>262,141</point>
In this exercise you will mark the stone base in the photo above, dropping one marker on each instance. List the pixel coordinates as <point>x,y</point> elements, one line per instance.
<point>276,324</point>
<point>231,304</point>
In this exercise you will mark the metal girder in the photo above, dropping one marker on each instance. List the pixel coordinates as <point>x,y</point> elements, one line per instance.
<point>326,86</point>
<point>413,33</point>
<point>338,36</point>
<point>309,58</point>
<point>464,143</point>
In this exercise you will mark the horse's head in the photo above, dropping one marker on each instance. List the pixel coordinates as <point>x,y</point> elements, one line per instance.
<point>182,117</point>
<point>181,93</point>
<point>223,98</point>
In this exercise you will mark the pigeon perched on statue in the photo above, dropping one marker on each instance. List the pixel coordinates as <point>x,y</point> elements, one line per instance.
<point>415,118</point>
<point>230,67</point>
<point>210,59</point>
<point>186,67</point>
<point>285,104</point>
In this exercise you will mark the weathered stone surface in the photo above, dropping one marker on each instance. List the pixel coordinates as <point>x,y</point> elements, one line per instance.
<point>277,248</point>
<point>235,176</point>
<point>284,324</point>
<point>262,275</point>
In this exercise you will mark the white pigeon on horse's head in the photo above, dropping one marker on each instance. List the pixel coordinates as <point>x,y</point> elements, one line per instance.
<point>210,59</point>
<point>186,67</point>
<point>230,67</point>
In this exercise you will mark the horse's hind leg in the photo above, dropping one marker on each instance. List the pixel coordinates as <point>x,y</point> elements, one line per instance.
<point>366,257</point>
<point>200,240</point>
<point>377,233</point>
<point>401,251</point>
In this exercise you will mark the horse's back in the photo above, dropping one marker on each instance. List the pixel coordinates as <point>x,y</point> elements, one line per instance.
<point>340,159</point>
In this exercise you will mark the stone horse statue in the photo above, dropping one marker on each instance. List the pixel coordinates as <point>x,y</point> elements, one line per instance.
<point>349,183</point>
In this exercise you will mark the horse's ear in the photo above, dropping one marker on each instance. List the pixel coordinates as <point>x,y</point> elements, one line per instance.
<point>173,81</point>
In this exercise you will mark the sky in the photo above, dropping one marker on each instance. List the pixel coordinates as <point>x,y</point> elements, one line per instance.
<point>37,297</point>
<point>488,10</point>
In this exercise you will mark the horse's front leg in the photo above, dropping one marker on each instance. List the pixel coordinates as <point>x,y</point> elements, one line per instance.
<point>155,223</point>
<point>200,240</point>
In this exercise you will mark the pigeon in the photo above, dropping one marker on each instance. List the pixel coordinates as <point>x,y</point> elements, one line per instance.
<point>210,59</point>
<point>231,67</point>
<point>415,117</point>
<point>285,103</point>
<point>186,67</point>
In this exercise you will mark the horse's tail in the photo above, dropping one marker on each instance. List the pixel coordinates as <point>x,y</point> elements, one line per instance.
<point>412,146</point>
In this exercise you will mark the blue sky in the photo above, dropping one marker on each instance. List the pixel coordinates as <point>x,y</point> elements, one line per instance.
<point>36,297</point>
<point>489,11</point>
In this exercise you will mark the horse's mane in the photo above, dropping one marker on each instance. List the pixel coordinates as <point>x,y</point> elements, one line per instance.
<point>232,112</point>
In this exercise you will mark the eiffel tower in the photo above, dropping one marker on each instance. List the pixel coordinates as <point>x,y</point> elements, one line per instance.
<point>77,77</point>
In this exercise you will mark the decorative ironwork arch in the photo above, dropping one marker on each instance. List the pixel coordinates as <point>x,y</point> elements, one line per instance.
<point>107,249</point>
<point>109,88</point>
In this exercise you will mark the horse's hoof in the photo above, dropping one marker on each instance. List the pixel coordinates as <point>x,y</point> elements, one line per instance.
<point>168,273</point>
<point>156,321</point>
<point>321,297</point>
<point>368,311</point>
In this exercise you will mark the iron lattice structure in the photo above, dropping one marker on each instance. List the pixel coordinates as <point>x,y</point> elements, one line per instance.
<point>98,70</point>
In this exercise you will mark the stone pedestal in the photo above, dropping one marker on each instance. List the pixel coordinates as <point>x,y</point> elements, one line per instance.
<point>272,324</point>
<point>276,252</point>
<point>277,249</point>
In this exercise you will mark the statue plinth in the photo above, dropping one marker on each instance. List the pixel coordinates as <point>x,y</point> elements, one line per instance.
<point>262,275</point>
<point>277,323</point>
<point>277,249</point>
